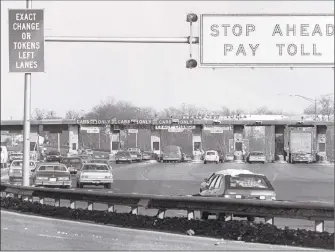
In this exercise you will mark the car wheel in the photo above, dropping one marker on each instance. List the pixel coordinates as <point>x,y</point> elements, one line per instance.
<point>68,187</point>
<point>217,162</point>
<point>251,219</point>
<point>263,162</point>
<point>129,162</point>
<point>116,162</point>
<point>204,215</point>
<point>80,185</point>
<point>205,162</point>
<point>108,186</point>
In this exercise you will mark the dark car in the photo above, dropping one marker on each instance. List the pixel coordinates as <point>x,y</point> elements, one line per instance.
<point>72,163</point>
<point>51,175</point>
<point>236,184</point>
<point>123,156</point>
<point>53,156</point>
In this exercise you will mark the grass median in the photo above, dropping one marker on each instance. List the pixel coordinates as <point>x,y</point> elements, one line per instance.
<point>229,230</point>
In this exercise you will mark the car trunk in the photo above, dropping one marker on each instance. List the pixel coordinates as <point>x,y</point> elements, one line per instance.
<point>96,175</point>
<point>52,174</point>
<point>250,193</point>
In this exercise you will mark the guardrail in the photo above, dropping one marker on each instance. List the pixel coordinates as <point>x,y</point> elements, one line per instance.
<point>317,212</point>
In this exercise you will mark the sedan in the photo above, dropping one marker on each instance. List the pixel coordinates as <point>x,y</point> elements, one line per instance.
<point>95,174</point>
<point>123,156</point>
<point>15,170</point>
<point>256,157</point>
<point>52,175</point>
<point>53,156</point>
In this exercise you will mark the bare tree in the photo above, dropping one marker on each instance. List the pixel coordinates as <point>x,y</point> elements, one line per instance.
<point>327,106</point>
<point>71,114</point>
<point>39,114</point>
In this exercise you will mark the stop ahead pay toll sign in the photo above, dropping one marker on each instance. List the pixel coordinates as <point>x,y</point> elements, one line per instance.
<point>266,40</point>
<point>26,40</point>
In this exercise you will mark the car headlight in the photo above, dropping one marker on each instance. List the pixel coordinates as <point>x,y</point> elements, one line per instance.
<point>227,196</point>
<point>273,198</point>
<point>64,178</point>
<point>42,178</point>
<point>108,177</point>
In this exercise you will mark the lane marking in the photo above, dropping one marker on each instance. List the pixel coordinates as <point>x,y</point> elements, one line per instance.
<point>53,236</point>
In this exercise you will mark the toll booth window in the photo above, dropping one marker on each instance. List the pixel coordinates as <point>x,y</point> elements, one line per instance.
<point>32,146</point>
<point>238,146</point>
<point>197,146</point>
<point>74,146</point>
<point>322,147</point>
<point>115,145</point>
<point>155,146</point>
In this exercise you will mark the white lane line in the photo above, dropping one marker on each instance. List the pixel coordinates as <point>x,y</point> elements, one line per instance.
<point>53,236</point>
<point>274,178</point>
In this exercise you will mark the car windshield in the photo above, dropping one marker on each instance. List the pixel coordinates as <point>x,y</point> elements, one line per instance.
<point>133,153</point>
<point>210,153</point>
<point>16,154</point>
<point>84,157</point>
<point>257,153</point>
<point>95,167</point>
<point>247,181</point>
<point>89,150</point>
<point>54,168</point>
<point>173,149</point>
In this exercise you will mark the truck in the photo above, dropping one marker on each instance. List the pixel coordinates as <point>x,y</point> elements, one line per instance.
<point>300,145</point>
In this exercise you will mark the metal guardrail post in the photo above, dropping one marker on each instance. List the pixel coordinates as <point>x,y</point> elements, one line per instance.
<point>134,210</point>
<point>57,202</point>
<point>190,214</point>
<point>90,206</point>
<point>110,208</point>
<point>72,204</point>
<point>161,214</point>
<point>269,220</point>
<point>319,226</point>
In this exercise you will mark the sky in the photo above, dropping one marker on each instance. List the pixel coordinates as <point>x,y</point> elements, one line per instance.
<point>79,76</point>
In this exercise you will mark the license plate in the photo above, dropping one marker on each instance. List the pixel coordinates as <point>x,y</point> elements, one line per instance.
<point>52,179</point>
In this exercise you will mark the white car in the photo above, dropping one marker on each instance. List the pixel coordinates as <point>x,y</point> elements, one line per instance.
<point>15,170</point>
<point>95,174</point>
<point>211,156</point>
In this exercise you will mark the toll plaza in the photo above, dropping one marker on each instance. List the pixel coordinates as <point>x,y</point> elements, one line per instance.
<point>274,138</point>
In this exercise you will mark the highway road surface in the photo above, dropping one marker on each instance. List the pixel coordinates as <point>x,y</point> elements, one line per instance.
<point>299,182</point>
<point>25,232</point>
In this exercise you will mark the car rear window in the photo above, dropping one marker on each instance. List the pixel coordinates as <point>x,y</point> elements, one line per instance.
<point>248,182</point>
<point>123,153</point>
<point>257,153</point>
<point>95,167</point>
<point>52,168</point>
<point>210,153</point>
<point>54,153</point>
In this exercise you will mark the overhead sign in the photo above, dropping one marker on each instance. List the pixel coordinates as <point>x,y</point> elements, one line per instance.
<point>202,117</point>
<point>176,121</point>
<point>114,121</point>
<point>174,128</point>
<point>90,130</point>
<point>133,131</point>
<point>267,40</point>
<point>217,129</point>
<point>26,40</point>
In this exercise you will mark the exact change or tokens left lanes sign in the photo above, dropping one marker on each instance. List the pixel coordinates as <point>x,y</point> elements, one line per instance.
<point>26,40</point>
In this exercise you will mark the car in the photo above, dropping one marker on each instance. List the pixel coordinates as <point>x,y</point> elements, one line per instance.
<point>84,158</point>
<point>136,156</point>
<point>172,153</point>
<point>229,157</point>
<point>95,174</point>
<point>15,156</point>
<point>100,161</point>
<point>147,155</point>
<point>211,156</point>
<point>53,156</point>
<point>123,157</point>
<point>236,184</point>
<point>72,163</point>
<point>256,157</point>
<point>134,149</point>
<point>88,152</point>
<point>49,174</point>
<point>221,156</point>
<point>15,170</point>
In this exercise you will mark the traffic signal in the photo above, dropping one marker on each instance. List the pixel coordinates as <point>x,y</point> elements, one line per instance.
<point>191,63</point>
<point>191,18</point>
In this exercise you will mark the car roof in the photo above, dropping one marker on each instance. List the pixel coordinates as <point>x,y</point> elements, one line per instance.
<point>98,164</point>
<point>99,159</point>
<point>235,172</point>
<point>50,163</point>
<point>211,151</point>
<point>256,152</point>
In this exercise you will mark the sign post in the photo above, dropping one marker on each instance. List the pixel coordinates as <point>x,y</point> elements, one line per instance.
<point>26,55</point>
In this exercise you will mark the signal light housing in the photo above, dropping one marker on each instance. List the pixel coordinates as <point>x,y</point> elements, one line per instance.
<point>191,63</point>
<point>191,18</point>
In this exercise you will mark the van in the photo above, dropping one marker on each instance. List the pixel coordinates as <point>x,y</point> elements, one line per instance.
<point>172,153</point>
